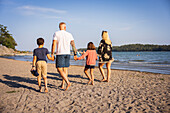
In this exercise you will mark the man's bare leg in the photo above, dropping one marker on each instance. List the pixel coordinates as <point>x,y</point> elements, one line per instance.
<point>64,76</point>
<point>63,81</point>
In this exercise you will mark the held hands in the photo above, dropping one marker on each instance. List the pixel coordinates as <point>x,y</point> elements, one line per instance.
<point>52,57</point>
<point>75,57</point>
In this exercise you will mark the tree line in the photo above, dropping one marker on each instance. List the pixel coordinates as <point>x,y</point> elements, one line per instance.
<point>6,38</point>
<point>141,47</point>
<point>137,47</point>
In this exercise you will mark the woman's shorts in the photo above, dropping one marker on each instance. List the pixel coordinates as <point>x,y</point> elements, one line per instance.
<point>89,66</point>
<point>62,61</point>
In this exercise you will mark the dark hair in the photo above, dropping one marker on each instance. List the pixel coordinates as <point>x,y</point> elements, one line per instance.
<point>40,41</point>
<point>91,46</point>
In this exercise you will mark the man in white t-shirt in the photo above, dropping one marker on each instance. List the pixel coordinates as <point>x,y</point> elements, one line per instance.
<point>62,40</point>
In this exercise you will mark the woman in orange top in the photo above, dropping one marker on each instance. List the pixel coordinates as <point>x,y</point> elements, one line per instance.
<point>91,57</point>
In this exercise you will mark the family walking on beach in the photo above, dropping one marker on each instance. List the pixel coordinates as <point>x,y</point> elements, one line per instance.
<point>61,43</point>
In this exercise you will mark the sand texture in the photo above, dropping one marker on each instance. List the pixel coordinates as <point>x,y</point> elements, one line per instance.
<point>127,91</point>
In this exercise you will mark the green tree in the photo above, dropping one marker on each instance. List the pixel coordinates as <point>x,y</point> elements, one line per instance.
<point>141,47</point>
<point>6,39</point>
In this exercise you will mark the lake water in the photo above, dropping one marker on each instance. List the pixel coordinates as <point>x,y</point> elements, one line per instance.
<point>155,62</point>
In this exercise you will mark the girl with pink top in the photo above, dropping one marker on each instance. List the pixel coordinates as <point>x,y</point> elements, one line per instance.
<point>91,57</point>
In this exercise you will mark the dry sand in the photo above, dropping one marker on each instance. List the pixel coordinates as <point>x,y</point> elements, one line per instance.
<point>127,91</point>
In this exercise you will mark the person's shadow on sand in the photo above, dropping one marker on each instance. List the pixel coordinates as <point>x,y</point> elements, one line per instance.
<point>18,79</point>
<point>16,84</point>
<point>14,81</point>
<point>58,77</point>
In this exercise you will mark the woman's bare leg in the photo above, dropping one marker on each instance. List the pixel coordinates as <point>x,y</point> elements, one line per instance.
<point>108,70</point>
<point>102,71</point>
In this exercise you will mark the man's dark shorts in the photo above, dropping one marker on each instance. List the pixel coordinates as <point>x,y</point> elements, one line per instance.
<point>62,61</point>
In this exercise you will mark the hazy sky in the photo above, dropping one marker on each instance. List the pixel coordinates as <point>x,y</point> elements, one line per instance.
<point>127,21</point>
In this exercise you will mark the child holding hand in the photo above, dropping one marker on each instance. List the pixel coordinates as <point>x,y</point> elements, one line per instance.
<point>40,62</point>
<point>91,57</point>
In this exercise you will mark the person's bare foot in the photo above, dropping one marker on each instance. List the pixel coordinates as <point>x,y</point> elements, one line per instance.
<point>40,89</point>
<point>92,82</point>
<point>46,90</point>
<point>61,86</point>
<point>89,82</point>
<point>68,85</point>
<point>103,80</point>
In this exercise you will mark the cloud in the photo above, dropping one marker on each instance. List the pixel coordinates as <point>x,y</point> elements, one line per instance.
<point>125,28</point>
<point>40,11</point>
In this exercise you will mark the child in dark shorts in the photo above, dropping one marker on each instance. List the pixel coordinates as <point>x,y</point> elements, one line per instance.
<point>91,57</point>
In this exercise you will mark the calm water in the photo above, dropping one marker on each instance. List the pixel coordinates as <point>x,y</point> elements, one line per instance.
<point>155,62</point>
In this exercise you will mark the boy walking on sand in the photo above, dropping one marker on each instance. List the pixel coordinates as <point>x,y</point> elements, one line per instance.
<point>40,62</point>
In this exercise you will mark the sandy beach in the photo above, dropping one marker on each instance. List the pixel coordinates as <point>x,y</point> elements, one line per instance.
<point>127,91</point>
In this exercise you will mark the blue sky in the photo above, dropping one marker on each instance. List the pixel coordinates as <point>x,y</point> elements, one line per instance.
<point>127,21</point>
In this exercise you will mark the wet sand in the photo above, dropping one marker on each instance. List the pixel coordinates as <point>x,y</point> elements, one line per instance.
<point>127,91</point>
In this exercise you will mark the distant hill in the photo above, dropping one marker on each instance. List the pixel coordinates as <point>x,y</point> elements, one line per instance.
<point>138,47</point>
<point>141,47</point>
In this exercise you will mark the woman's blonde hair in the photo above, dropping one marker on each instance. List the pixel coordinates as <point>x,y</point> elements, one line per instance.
<point>105,36</point>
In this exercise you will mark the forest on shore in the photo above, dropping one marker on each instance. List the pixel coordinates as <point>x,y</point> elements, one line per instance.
<point>137,47</point>
<point>6,39</point>
<point>141,47</point>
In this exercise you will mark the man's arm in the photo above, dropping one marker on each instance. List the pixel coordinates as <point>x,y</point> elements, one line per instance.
<point>53,47</point>
<point>74,47</point>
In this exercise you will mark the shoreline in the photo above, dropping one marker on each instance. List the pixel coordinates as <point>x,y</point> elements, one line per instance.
<point>127,91</point>
<point>145,62</point>
<point>124,70</point>
<point>95,67</point>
